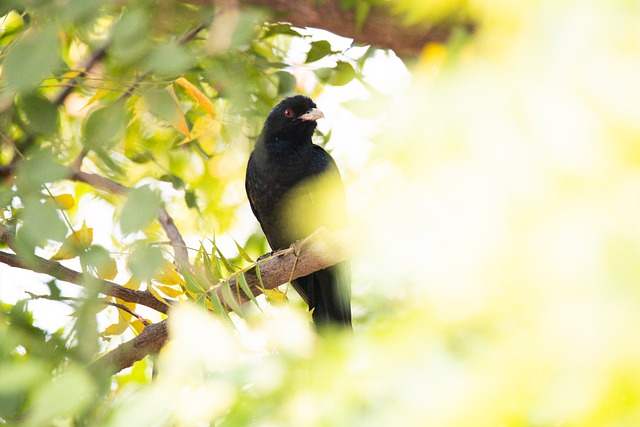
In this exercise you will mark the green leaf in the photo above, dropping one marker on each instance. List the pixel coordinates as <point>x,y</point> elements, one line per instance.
<point>79,10</point>
<point>176,181</point>
<point>319,50</point>
<point>230,268</point>
<point>369,53</point>
<point>41,168</point>
<point>41,222</point>
<point>190,199</point>
<point>131,36</point>
<point>344,73</point>
<point>242,252</point>
<point>362,8</point>
<point>161,104</point>
<point>229,298</point>
<point>32,58</point>
<point>141,208</point>
<point>259,275</point>
<point>17,377</point>
<point>65,396</point>
<point>54,291</point>
<point>191,283</point>
<point>105,126</point>
<point>212,275</point>
<point>41,115</point>
<point>247,24</point>
<point>145,261</point>
<point>242,281</point>
<point>219,309</point>
<point>339,75</point>
<point>286,83</point>
<point>284,29</point>
<point>100,259</point>
<point>216,261</point>
<point>170,59</point>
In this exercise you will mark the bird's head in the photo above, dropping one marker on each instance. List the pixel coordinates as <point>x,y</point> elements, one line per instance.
<point>293,120</point>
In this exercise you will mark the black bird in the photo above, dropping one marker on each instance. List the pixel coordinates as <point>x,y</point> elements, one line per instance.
<point>294,188</point>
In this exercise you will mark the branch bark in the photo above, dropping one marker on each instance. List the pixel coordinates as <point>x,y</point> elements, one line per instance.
<point>320,250</point>
<point>150,341</point>
<point>57,270</point>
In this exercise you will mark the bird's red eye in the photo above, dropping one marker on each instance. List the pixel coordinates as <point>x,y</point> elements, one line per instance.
<point>288,113</point>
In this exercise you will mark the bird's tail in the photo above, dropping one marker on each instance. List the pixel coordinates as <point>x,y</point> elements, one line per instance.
<point>329,295</point>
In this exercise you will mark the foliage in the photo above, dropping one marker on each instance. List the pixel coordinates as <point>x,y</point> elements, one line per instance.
<point>496,272</point>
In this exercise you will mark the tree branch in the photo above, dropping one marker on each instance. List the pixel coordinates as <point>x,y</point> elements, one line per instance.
<point>104,301</point>
<point>320,250</point>
<point>54,269</point>
<point>172,232</point>
<point>150,341</point>
<point>382,28</point>
<point>95,57</point>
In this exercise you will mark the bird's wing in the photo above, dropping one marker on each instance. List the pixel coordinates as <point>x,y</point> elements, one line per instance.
<point>252,185</point>
<point>260,193</point>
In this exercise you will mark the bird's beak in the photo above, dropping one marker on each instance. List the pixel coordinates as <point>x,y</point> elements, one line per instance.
<point>312,115</point>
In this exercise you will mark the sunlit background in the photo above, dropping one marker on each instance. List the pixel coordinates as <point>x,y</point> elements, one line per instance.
<point>495,185</point>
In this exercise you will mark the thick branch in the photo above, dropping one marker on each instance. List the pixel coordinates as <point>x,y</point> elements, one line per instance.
<point>381,28</point>
<point>150,341</point>
<point>54,269</point>
<point>320,250</point>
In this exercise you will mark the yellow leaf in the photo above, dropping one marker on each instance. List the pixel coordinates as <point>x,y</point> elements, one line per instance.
<point>196,94</point>
<point>179,121</point>
<point>168,274</point>
<point>107,270</point>
<point>116,328</point>
<point>137,325</point>
<point>433,57</point>
<point>170,292</point>
<point>104,304</point>
<point>97,96</point>
<point>125,314</point>
<point>70,75</point>
<point>75,243</point>
<point>156,294</point>
<point>63,201</point>
<point>133,283</point>
<point>275,297</point>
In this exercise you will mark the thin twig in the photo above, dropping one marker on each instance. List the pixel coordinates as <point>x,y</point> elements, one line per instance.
<point>96,56</point>
<point>169,226</point>
<point>123,307</point>
<point>190,35</point>
<point>139,78</point>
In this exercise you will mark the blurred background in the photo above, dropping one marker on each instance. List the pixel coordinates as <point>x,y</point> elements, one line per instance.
<point>490,151</point>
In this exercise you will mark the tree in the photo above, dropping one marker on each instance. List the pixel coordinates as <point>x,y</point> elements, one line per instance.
<point>125,130</point>
<point>115,104</point>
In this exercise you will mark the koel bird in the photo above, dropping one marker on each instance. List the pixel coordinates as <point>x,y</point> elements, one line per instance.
<point>294,187</point>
